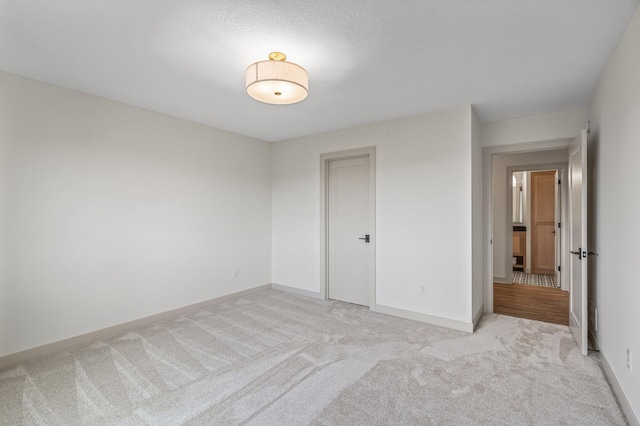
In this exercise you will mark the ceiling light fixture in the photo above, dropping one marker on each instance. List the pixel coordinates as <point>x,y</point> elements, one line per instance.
<point>277,81</point>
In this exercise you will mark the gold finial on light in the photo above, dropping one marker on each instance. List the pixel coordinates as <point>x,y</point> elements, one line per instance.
<point>277,56</point>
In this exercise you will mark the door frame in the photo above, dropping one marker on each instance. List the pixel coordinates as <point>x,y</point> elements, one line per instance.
<point>488,153</point>
<point>324,217</point>
<point>561,205</point>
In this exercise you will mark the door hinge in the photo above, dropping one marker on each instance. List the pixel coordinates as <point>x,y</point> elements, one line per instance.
<point>559,268</point>
<point>559,224</point>
<point>559,181</point>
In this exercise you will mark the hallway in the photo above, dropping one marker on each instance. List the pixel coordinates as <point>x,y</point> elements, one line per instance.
<point>532,302</point>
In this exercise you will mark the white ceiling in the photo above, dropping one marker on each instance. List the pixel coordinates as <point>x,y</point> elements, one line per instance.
<point>367,60</point>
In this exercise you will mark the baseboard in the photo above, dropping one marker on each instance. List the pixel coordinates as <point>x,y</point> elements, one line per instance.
<point>16,358</point>
<point>501,280</point>
<point>593,340</point>
<point>298,291</point>
<point>396,312</point>
<point>429,319</point>
<point>478,316</point>
<point>617,390</point>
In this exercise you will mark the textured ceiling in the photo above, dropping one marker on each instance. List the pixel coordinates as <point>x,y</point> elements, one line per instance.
<point>367,60</point>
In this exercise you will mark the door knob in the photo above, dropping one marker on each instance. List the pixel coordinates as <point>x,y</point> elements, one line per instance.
<point>366,238</point>
<point>579,253</point>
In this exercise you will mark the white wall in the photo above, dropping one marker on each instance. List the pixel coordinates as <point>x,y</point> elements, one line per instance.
<point>614,112</point>
<point>477,207</point>
<point>4,288</point>
<point>424,218</point>
<point>544,127</point>
<point>501,212</point>
<point>113,213</point>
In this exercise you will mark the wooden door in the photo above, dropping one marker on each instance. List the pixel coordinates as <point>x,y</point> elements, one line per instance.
<point>543,211</point>
<point>349,250</point>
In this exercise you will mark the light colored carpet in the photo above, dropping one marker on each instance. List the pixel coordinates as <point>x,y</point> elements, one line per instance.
<point>279,359</point>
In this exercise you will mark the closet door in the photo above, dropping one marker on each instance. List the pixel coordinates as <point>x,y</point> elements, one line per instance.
<point>543,210</point>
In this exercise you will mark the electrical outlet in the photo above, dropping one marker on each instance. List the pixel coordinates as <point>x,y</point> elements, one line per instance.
<point>423,289</point>
<point>235,273</point>
<point>628,359</point>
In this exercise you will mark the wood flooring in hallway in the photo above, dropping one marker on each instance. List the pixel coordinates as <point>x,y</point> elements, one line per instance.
<point>531,302</point>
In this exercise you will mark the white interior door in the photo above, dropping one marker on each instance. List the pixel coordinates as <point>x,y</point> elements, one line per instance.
<point>578,320</point>
<point>349,230</point>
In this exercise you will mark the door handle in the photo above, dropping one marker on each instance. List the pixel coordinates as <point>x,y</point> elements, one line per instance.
<point>579,253</point>
<point>366,238</point>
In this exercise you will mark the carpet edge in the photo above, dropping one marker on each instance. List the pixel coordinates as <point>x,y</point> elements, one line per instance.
<point>298,291</point>
<point>426,318</point>
<point>13,359</point>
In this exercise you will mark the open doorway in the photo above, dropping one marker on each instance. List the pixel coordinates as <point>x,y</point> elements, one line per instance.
<point>536,227</point>
<point>529,203</point>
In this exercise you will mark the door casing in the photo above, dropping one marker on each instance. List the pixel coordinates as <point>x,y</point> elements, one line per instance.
<point>488,154</point>
<point>324,234</point>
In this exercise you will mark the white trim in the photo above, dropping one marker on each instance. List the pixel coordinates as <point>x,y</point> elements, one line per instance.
<point>618,392</point>
<point>478,316</point>
<point>488,153</point>
<point>62,345</point>
<point>298,291</point>
<point>324,176</point>
<point>429,319</point>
